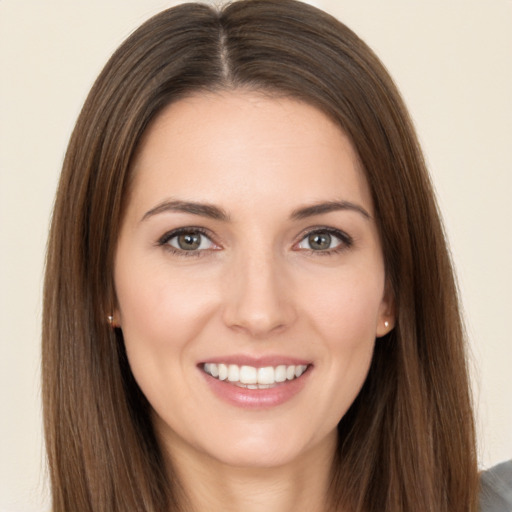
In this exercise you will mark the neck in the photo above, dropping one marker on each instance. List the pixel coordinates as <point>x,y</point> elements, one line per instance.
<point>209,485</point>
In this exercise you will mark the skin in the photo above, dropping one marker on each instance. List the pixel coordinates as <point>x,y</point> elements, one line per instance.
<point>255,287</point>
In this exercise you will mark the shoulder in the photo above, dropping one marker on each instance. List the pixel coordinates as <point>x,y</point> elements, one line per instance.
<point>496,488</point>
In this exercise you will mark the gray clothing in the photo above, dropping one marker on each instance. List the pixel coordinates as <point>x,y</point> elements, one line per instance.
<point>496,488</point>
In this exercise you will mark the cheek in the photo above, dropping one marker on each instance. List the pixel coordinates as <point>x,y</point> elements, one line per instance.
<point>161,313</point>
<point>347,309</point>
<point>345,319</point>
<point>159,304</point>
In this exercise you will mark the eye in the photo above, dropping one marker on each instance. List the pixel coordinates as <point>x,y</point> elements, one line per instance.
<point>188,240</point>
<point>325,240</point>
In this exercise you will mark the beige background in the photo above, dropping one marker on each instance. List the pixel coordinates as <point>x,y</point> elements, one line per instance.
<point>452,59</point>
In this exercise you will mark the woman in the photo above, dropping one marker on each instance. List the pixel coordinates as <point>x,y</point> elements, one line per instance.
<point>249,302</point>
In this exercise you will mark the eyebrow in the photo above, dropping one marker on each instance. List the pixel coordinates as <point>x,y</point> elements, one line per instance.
<point>216,213</point>
<point>327,207</point>
<point>202,209</point>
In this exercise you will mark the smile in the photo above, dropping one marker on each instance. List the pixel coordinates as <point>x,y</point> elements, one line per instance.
<point>250,377</point>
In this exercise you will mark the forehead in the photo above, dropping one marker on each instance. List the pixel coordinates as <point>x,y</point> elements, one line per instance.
<point>239,145</point>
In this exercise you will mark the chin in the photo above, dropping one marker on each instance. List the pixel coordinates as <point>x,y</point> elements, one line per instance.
<point>267,450</point>
<point>258,459</point>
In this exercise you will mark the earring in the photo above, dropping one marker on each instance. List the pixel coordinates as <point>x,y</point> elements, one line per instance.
<point>386,324</point>
<point>110,320</point>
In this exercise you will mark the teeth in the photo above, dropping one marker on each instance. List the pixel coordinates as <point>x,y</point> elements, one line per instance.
<point>223,372</point>
<point>253,386</point>
<point>280,373</point>
<point>266,375</point>
<point>299,370</point>
<point>233,373</point>
<point>254,378</point>
<point>248,375</point>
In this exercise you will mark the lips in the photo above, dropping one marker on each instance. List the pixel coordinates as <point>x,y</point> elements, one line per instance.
<point>252,377</point>
<point>256,383</point>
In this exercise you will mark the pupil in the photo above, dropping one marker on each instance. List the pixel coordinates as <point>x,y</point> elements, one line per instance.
<point>320,241</point>
<point>189,242</point>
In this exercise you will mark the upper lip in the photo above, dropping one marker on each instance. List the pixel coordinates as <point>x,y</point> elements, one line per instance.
<point>258,361</point>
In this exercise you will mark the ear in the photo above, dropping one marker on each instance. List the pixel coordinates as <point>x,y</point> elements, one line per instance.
<point>114,315</point>
<point>114,319</point>
<point>387,312</point>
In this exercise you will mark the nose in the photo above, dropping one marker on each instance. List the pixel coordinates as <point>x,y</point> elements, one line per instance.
<point>259,297</point>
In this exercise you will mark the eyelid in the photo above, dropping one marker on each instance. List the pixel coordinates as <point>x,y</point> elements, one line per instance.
<point>346,240</point>
<point>173,233</point>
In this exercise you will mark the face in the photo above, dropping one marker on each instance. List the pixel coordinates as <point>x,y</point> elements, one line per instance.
<point>249,277</point>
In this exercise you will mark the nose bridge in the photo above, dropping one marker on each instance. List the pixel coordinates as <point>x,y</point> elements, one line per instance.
<point>257,299</point>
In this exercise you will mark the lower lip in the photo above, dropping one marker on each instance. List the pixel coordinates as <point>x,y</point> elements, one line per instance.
<point>256,398</point>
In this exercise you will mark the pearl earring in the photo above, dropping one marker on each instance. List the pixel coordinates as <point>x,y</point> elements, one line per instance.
<point>386,324</point>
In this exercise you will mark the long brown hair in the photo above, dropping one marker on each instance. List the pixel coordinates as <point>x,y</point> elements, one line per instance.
<point>407,443</point>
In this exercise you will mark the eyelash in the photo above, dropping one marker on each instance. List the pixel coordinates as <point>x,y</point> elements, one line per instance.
<point>164,241</point>
<point>346,241</point>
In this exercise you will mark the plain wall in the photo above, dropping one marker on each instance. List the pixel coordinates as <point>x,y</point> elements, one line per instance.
<point>452,60</point>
